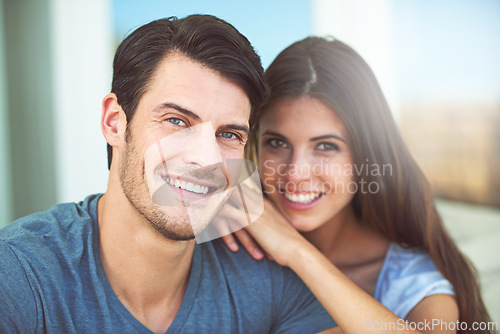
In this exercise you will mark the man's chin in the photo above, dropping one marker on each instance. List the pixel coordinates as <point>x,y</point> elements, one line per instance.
<point>175,235</point>
<point>179,237</point>
<point>186,222</point>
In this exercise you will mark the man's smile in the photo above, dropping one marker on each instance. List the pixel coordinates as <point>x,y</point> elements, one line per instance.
<point>195,186</point>
<point>187,185</point>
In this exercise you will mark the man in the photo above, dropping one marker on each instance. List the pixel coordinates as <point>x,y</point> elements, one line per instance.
<point>126,261</point>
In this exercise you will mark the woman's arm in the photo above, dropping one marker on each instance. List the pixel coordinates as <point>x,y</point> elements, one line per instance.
<point>352,308</point>
<point>357,312</point>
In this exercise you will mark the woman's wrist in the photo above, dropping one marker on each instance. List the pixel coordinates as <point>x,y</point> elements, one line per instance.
<point>302,255</point>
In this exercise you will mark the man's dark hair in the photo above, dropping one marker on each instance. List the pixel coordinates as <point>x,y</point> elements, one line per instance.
<point>205,39</point>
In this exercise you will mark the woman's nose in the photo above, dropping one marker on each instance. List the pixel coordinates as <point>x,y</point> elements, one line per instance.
<point>299,167</point>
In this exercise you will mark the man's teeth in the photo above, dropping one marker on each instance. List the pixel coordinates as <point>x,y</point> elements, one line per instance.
<point>302,198</point>
<point>196,188</point>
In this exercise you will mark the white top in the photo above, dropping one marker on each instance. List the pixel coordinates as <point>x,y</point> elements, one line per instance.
<point>408,276</point>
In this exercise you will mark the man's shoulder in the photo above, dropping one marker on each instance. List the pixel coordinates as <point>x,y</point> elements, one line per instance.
<point>260,294</point>
<point>253,281</point>
<point>38,233</point>
<point>240,262</point>
<point>48,268</point>
<point>58,216</point>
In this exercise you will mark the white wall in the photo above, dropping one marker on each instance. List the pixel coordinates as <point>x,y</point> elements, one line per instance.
<point>82,62</point>
<point>58,64</point>
<point>5,195</point>
<point>29,105</point>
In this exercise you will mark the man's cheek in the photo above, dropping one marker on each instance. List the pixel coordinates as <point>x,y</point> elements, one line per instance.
<point>234,169</point>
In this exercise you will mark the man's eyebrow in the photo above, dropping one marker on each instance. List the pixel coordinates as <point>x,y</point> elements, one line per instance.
<point>243,128</point>
<point>180,109</point>
<point>191,114</point>
<point>327,137</point>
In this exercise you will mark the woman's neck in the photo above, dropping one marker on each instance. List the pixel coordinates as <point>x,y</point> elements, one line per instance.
<point>346,241</point>
<point>353,247</point>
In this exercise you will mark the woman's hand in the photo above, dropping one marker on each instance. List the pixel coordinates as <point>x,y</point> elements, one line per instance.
<point>248,243</point>
<point>270,233</point>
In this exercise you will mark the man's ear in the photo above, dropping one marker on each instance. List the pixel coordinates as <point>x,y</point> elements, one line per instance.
<point>113,120</point>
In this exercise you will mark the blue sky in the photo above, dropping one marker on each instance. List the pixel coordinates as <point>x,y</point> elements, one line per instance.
<point>445,50</point>
<point>269,25</point>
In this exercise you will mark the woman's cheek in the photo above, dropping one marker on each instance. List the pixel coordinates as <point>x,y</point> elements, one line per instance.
<point>267,170</point>
<point>269,186</point>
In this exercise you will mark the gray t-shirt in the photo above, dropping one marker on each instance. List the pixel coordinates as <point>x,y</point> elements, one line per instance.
<point>408,276</point>
<point>52,281</point>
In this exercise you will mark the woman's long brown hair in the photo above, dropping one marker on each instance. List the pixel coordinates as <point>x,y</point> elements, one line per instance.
<point>402,208</point>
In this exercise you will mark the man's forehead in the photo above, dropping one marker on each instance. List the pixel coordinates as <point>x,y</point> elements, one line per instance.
<point>180,81</point>
<point>176,62</point>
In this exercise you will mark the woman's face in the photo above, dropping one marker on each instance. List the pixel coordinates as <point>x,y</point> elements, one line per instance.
<point>305,163</point>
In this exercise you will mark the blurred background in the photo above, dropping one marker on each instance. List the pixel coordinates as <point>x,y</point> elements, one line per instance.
<point>438,62</point>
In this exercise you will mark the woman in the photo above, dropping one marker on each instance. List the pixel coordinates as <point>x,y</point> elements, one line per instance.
<point>352,213</point>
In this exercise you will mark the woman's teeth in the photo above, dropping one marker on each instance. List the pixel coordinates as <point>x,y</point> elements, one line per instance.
<point>196,188</point>
<point>302,198</point>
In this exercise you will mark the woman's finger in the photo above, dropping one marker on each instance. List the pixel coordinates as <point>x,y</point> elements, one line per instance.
<point>230,242</point>
<point>230,219</point>
<point>249,244</point>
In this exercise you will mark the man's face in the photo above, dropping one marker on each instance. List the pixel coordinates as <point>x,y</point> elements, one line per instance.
<point>173,164</point>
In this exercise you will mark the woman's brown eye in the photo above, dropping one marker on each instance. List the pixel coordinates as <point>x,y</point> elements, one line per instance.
<point>327,147</point>
<point>276,143</point>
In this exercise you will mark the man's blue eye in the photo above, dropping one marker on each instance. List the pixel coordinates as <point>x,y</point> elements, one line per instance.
<point>176,121</point>
<point>228,135</point>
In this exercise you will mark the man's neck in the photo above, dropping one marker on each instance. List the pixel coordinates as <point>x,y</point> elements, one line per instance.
<point>148,273</point>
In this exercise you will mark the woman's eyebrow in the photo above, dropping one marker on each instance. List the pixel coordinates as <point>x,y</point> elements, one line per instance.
<point>272,133</point>
<point>328,137</point>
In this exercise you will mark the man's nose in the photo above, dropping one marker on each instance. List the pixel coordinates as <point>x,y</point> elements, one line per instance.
<point>201,146</point>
